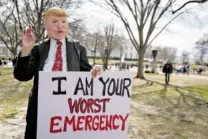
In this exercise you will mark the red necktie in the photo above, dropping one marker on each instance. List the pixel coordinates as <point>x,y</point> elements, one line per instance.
<point>58,61</point>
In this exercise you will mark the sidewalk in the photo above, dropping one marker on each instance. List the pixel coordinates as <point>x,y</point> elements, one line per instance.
<point>14,128</point>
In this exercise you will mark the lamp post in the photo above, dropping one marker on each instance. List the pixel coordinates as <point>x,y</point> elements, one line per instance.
<point>154,62</point>
<point>105,57</point>
<point>97,43</point>
<point>121,57</point>
<point>154,54</point>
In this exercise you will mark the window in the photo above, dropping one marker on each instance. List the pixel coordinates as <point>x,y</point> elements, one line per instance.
<point>131,55</point>
<point>125,55</point>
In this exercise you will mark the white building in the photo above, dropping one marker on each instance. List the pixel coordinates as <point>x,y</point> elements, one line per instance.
<point>129,51</point>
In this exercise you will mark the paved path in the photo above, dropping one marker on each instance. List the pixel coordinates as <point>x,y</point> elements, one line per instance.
<point>14,128</point>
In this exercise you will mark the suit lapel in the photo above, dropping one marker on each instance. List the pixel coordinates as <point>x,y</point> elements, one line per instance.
<point>43,50</point>
<point>69,50</point>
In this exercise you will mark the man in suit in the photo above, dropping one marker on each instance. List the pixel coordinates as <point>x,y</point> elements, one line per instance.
<point>55,54</point>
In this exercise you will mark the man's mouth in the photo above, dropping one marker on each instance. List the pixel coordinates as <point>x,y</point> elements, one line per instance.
<point>60,31</point>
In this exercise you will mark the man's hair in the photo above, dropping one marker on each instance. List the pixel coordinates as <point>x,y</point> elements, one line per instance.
<point>55,11</point>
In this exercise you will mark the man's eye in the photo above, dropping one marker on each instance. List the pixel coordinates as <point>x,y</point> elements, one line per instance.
<point>54,21</point>
<point>63,21</point>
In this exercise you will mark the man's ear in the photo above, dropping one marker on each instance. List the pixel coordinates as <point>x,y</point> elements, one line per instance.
<point>44,23</point>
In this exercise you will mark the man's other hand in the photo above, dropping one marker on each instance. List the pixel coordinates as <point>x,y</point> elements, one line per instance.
<point>96,70</point>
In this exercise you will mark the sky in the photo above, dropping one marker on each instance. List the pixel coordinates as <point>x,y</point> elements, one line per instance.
<point>182,33</point>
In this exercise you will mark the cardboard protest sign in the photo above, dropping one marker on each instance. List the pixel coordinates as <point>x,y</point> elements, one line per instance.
<point>73,105</point>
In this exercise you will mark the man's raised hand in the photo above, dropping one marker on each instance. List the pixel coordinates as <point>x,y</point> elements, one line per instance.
<point>28,41</point>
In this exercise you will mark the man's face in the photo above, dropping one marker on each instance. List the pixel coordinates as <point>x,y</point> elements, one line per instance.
<point>57,27</point>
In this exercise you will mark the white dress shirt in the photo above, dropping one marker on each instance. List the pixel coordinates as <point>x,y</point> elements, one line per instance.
<point>52,55</point>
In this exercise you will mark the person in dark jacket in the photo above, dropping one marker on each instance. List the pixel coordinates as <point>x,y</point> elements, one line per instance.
<point>167,69</point>
<point>55,54</point>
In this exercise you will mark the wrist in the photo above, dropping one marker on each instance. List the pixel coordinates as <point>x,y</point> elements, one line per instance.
<point>25,53</point>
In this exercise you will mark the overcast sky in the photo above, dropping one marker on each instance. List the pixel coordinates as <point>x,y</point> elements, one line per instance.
<point>182,33</point>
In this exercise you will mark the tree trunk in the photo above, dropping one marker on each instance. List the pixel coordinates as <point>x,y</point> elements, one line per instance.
<point>201,60</point>
<point>140,61</point>
<point>14,52</point>
<point>104,61</point>
<point>105,64</point>
<point>94,60</point>
<point>94,56</point>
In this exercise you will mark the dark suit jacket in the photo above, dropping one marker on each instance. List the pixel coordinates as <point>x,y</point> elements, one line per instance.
<point>168,68</point>
<point>29,66</point>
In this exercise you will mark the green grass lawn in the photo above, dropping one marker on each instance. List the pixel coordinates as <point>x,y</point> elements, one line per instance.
<point>12,94</point>
<point>197,66</point>
<point>99,61</point>
<point>177,111</point>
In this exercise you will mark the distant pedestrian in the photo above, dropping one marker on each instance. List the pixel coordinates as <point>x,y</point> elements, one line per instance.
<point>187,67</point>
<point>127,67</point>
<point>167,69</point>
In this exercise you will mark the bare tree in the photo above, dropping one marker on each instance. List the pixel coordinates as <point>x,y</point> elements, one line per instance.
<point>165,53</point>
<point>146,15</point>
<point>109,42</point>
<point>77,30</point>
<point>93,41</point>
<point>109,36</point>
<point>10,32</point>
<point>202,47</point>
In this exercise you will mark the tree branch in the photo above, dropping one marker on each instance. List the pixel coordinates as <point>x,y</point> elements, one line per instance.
<point>5,30</point>
<point>169,3</point>
<point>125,22</point>
<point>134,14</point>
<point>163,28</point>
<point>192,1</point>
<point>18,16</point>
<point>148,13</point>
<point>3,40</point>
